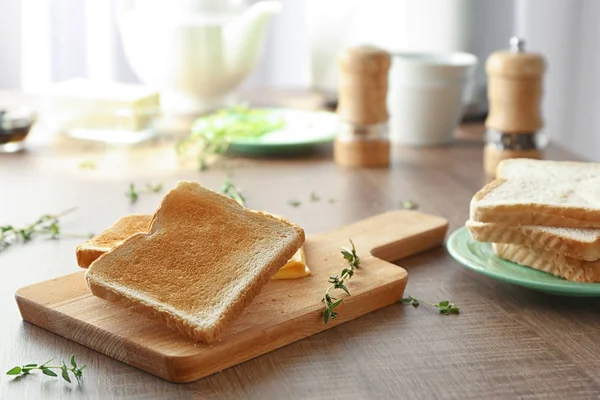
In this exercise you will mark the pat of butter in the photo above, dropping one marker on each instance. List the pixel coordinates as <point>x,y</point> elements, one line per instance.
<point>112,95</point>
<point>106,105</point>
<point>295,268</point>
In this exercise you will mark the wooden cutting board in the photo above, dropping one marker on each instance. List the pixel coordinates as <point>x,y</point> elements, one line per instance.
<point>284,312</point>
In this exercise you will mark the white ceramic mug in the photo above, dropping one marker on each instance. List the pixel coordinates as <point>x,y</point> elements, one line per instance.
<point>426,96</point>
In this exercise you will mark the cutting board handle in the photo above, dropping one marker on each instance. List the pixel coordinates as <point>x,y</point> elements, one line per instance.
<point>394,235</point>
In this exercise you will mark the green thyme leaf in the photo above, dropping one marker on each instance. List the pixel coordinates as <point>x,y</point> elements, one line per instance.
<point>294,203</point>
<point>409,205</point>
<point>14,371</point>
<point>445,307</point>
<point>233,192</point>
<point>65,373</point>
<point>44,225</point>
<point>338,282</point>
<point>134,194</point>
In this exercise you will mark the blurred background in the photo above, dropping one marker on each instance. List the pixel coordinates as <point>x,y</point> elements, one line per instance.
<point>47,41</point>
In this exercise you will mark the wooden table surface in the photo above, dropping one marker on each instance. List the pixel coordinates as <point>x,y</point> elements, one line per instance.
<point>508,342</point>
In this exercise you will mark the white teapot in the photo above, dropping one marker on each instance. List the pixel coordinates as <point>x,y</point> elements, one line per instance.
<point>196,52</point>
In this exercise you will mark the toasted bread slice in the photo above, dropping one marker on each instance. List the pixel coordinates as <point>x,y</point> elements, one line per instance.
<point>90,250</point>
<point>583,244</point>
<point>201,263</point>
<point>551,262</point>
<point>538,192</point>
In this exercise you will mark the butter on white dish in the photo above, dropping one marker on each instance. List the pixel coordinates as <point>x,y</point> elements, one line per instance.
<point>105,111</point>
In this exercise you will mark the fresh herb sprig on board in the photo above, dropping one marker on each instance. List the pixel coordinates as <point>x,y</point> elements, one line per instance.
<point>339,282</point>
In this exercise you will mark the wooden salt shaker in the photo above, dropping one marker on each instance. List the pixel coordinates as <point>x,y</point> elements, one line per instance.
<point>363,138</point>
<point>514,96</point>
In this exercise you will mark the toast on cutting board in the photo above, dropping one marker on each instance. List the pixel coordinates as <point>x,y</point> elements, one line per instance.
<point>204,258</point>
<point>583,244</point>
<point>539,192</point>
<point>129,225</point>
<point>551,262</point>
<point>110,238</point>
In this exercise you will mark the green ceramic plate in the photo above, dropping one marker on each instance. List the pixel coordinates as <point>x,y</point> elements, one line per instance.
<point>302,131</point>
<point>481,258</point>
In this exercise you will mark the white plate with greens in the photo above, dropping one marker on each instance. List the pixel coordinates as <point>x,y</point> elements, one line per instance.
<point>264,131</point>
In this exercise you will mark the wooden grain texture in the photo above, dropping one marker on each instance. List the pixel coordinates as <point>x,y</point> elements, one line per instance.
<point>493,156</point>
<point>363,85</point>
<point>284,312</point>
<point>507,343</point>
<point>515,81</point>
<point>360,153</point>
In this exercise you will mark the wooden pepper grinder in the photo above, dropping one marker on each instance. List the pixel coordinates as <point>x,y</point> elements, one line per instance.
<point>363,84</point>
<point>514,96</point>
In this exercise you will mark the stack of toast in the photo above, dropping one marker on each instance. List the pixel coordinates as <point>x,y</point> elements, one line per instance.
<point>195,264</point>
<point>544,215</point>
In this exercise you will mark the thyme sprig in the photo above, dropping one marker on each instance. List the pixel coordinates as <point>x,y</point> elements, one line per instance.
<point>46,369</point>
<point>134,194</point>
<point>44,225</point>
<point>230,190</point>
<point>338,282</point>
<point>445,307</point>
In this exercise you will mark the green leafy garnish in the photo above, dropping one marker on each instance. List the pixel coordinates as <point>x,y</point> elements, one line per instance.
<point>314,196</point>
<point>134,194</point>
<point>211,135</point>
<point>338,282</point>
<point>409,205</point>
<point>45,225</point>
<point>445,307</point>
<point>233,192</point>
<point>48,370</point>
<point>294,203</point>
